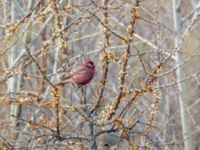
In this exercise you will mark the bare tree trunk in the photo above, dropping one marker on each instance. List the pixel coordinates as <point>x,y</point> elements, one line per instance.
<point>183,91</point>
<point>15,82</point>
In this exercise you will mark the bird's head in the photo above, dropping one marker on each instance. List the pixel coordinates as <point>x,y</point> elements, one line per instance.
<point>89,64</point>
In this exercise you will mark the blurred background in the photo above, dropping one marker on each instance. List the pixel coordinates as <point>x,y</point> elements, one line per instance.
<point>144,95</point>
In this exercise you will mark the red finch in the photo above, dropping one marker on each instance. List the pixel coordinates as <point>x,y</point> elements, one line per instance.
<point>82,75</point>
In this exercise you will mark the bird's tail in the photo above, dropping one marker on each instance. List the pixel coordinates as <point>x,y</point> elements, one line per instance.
<point>63,82</point>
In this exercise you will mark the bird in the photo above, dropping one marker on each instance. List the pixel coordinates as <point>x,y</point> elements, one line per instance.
<point>81,75</point>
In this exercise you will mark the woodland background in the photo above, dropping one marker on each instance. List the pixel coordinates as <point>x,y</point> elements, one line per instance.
<point>147,85</point>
